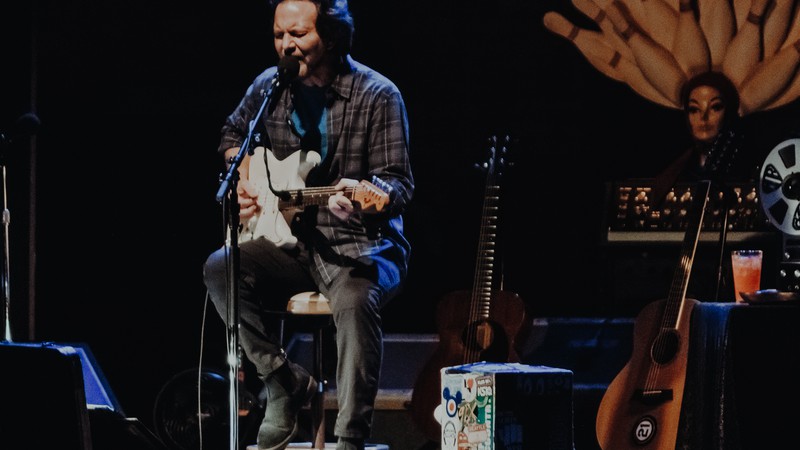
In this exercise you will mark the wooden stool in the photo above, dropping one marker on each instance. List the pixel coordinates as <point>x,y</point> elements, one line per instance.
<point>314,304</point>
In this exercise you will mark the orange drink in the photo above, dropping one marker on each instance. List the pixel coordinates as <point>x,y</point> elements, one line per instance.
<point>746,265</point>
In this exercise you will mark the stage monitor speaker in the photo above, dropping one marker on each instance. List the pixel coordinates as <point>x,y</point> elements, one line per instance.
<point>54,395</point>
<point>98,392</point>
<point>43,398</point>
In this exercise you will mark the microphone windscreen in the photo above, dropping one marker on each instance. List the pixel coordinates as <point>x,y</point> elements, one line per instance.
<point>288,69</point>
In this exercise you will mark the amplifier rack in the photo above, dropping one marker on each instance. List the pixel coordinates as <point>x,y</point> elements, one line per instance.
<point>633,216</point>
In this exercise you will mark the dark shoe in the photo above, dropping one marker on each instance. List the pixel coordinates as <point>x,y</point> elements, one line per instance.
<point>288,390</point>
<point>350,444</point>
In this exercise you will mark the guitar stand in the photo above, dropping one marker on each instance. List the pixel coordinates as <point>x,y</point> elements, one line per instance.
<point>727,195</point>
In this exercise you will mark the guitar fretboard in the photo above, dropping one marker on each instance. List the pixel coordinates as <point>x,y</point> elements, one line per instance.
<point>309,196</point>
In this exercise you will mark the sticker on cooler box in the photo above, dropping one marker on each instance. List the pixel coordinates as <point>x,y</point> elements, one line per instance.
<point>451,402</point>
<point>449,434</point>
<point>468,388</point>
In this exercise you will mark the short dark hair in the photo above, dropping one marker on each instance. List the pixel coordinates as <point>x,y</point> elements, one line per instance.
<point>334,23</point>
<point>726,88</point>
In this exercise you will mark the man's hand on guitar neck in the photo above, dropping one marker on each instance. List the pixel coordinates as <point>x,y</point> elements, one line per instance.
<point>341,206</point>
<point>361,196</point>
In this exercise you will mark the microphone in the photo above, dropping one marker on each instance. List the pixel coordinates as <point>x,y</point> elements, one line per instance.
<point>288,69</point>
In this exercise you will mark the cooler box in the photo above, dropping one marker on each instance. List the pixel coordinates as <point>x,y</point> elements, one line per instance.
<point>505,406</point>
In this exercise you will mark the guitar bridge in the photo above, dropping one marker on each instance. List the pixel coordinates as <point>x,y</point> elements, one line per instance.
<point>652,396</point>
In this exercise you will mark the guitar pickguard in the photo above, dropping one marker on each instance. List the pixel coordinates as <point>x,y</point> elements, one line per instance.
<point>289,173</point>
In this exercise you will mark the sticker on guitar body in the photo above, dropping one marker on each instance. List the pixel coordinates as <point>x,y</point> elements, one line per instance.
<point>288,177</point>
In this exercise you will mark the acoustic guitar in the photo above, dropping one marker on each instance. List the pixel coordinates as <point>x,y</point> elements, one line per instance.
<point>481,324</point>
<point>642,406</point>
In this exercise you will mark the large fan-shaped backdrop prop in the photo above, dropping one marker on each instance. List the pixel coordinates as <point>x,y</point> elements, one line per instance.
<point>656,46</point>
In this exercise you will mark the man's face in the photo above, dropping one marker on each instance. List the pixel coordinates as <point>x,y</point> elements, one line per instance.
<point>706,111</point>
<point>295,34</point>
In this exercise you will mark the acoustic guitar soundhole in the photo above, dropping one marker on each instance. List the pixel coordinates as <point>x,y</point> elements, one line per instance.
<point>487,340</point>
<point>665,346</point>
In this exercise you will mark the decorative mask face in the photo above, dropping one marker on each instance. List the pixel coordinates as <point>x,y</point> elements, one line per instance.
<point>706,113</point>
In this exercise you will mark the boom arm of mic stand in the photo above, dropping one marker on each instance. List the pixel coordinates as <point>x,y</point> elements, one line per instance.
<point>245,148</point>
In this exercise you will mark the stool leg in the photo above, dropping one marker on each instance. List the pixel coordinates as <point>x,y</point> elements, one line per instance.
<point>318,405</point>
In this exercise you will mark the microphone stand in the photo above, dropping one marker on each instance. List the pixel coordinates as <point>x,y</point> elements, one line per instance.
<point>25,125</point>
<point>229,198</point>
<point>727,201</point>
<point>6,261</point>
<point>728,148</point>
<point>6,275</point>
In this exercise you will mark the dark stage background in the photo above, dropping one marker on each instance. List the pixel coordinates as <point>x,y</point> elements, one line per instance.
<point>112,202</point>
